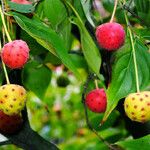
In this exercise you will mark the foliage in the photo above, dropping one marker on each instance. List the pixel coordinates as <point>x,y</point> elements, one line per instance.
<point>61,37</point>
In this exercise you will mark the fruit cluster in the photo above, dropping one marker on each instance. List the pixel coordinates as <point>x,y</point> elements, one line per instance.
<point>13,97</point>
<point>111,37</point>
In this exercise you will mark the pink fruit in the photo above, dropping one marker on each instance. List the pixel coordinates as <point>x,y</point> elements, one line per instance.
<point>10,124</point>
<point>15,54</point>
<point>21,1</point>
<point>96,100</point>
<point>110,36</point>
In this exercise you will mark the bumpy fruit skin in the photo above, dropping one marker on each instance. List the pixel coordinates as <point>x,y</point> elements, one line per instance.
<point>137,106</point>
<point>12,98</point>
<point>96,100</point>
<point>10,124</point>
<point>21,1</point>
<point>110,36</point>
<point>15,54</point>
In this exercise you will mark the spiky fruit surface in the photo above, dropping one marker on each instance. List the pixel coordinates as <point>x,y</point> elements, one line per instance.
<point>110,36</point>
<point>21,1</point>
<point>15,54</point>
<point>12,98</point>
<point>137,106</point>
<point>10,124</point>
<point>96,100</point>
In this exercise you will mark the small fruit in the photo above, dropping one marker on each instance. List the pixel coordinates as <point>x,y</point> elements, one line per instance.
<point>15,54</point>
<point>21,1</point>
<point>110,36</point>
<point>96,100</point>
<point>137,106</point>
<point>10,124</point>
<point>12,98</point>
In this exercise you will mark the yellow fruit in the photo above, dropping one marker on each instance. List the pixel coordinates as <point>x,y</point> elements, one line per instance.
<point>12,98</point>
<point>137,106</point>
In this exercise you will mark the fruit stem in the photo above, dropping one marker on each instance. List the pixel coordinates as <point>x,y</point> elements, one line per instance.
<point>6,74</point>
<point>96,84</point>
<point>4,24</point>
<point>114,10</point>
<point>4,68</point>
<point>133,51</point>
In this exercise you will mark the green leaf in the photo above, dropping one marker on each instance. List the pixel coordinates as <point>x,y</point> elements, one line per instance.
<point>143,33</point>
<point>89,48</point>
<point>123,74</point>
<point>28,8</point>
<point>36,78</point>
<point>86,4</point>
<point>47,38</point>
<point>64,31</point>
<point>132,144</point>
<point>35,48</point>
<point>55,11</point>
<point>79,61</point>
<point>78,7</point>
<point>143,9</point>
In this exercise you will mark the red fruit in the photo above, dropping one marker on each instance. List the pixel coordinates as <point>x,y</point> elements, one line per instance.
<point>10,124</point>
<point>96,100</point>
<point>15,54</point>
<point>21,1</point>
<point>110,36</point>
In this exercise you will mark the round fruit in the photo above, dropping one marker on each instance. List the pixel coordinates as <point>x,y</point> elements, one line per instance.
<point>137,106</point>
<point>21,1</point>
<point>110,36</point>
<point>15,54</point>
<point>12,98</point>
<point>10,124</point>
<point>96,100</point>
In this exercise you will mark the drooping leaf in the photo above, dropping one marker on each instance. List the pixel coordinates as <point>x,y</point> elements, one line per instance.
<point>28,8</point>
<point>89,48</point>
<point>36,78</point>
<point>64,31</point>
<point>55,11</point>
<point>123,79</point>
<point>47,38</point>
<point>86,4</point>
<point>78,7</point>
<point>132,144</point>
<point>35,47</point>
